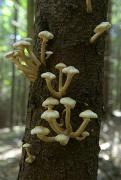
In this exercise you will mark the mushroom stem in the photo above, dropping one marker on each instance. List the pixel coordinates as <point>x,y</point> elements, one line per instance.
<point>62,118</point>
<point>67,120</point>
<point>66,85</point>
<point>33,57</point>
<point>28,152</point>
<point>29,62</point>
<point>46,138</point>
<point>81,129</point>
<point>54,125</point>
<point>84,135</point>
<point>52,91</point>
<point>94,37</point>
<point>25,69</point>
<point>43,47</point>
<point>60,80</point>
<point>89,6</point>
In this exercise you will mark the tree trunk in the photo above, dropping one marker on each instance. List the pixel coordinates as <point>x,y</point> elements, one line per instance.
<point>72,28</point>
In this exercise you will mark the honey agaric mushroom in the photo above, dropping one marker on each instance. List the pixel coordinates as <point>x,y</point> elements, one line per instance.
<point>50,116</point>
<point>48,54</point>
<point>45,36</point>
<point>70,71</point>
<point>62,139</point>
<point>89,6</point>
<point>99,30</point>
<point>48,76</point>
<point>84,135</point>
<point>50,103</point>
<point>13,56</point>
<point>30,157</point>
<point>87,116</point>
<point>21,45</point>
<point>69,104</point>
<point>60,67</point>
<point>42,133</point>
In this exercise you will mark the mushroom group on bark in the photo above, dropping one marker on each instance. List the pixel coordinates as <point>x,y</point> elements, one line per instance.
<point>69,71</point>
<point>25,59</point>
<point>63,134</point>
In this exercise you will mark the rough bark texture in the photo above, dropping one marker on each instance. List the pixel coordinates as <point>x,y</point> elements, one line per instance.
<point>72,28</point>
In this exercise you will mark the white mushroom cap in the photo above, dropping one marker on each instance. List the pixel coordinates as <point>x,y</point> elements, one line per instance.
<point>9,55</point>
<point>26,145</point>
<point>67,101</point>
<point>102,27</point>
<point>27,39</point>
<point>60,66</point>
<point>70,70</point>
<point>48,52</point>
<point>50,114</point>
<point>45,35</point>
<point>62,139</point>
<point>88,114</point>
<point>50,102</point>
<point>48,75</point>
<point>21,43</point>
<point>40,130</point>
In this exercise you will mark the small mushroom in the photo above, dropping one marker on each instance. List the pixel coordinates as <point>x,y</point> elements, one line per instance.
<point>30,157</point>
<point>89,6</point>
<point>42,133</point>
<point>48,54</point>
<point>48,76</point>
<point>87,116</point>
<point>70,71</point>
<point>84,135</point>
<point>50,103</point>
<point>99,30</point>
<point>69,104</point>
<point>50,116</point>
<point>45,36</point>
<point>60,67</point>
<point>62,139</point>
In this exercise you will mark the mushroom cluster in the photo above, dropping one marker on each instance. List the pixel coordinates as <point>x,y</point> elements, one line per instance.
<point>30,158</point>
<point>65,132</point>
<point>24,58</point>
<point>69,71</point>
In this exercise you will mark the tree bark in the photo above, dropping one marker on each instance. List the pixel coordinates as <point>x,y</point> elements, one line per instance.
<point>72,28</point>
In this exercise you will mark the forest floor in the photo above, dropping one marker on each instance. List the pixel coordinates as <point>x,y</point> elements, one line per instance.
<point>109,160</point>
<point>10,151</point>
